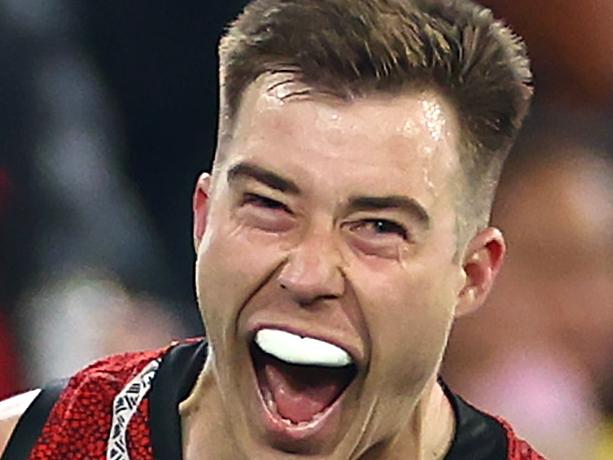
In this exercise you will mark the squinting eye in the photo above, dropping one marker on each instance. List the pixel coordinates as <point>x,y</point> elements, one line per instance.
<point>263,202</point>
<point>382,227</point>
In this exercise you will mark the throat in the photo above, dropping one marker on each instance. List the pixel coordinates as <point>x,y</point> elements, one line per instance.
<point>206,426</point>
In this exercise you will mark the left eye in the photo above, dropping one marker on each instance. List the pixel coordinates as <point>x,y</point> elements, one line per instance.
<point>382,227</point>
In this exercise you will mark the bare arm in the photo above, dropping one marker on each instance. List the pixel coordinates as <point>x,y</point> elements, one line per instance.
<point>10,411</point>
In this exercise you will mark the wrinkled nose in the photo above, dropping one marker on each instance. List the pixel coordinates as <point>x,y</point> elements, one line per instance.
<point>313,271</point>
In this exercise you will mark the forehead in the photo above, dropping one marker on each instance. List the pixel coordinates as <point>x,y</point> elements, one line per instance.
<point>411,136</point>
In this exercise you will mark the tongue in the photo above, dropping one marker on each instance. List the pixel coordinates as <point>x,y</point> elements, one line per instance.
<point>301,392</point>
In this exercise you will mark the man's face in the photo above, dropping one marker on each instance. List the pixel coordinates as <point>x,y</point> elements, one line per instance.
<point>335,221</point>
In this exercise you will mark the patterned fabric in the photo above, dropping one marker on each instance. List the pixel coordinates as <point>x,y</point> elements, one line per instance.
<point>104,414</point>
<point>125,406</point>
<point>79,425</point>
<point>518,448</point>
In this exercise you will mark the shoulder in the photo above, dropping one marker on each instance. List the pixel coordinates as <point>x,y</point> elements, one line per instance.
<point>11,411</point>
<point>98,384</point>
<point>87,395</point>
<point>122,366</point>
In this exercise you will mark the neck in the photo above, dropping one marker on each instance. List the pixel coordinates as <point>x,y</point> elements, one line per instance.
<point>434,424</point>
<point>207,431</point>
<point>427,435</point>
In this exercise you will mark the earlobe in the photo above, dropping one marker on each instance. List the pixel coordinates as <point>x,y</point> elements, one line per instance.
<point>200,205</point>
<point>481,265</point>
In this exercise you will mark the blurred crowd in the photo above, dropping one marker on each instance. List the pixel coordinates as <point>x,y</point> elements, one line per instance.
<point>108,114</point>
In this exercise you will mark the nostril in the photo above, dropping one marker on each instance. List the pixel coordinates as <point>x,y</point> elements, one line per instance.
<point>307,281</point>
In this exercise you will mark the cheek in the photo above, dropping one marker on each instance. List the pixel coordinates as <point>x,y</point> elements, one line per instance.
<point>408,314</point>
<point>232,263</point>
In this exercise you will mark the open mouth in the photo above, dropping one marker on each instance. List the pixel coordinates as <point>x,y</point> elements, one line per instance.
<point>299,378</point>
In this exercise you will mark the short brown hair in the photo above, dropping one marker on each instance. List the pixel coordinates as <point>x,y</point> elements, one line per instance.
<point>351,48</point>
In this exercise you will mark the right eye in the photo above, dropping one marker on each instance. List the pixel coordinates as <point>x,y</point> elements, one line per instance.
<point>266,214</point>
<point>260,201</point>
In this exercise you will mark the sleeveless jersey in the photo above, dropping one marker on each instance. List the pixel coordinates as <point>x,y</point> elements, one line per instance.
<point>125,407</point>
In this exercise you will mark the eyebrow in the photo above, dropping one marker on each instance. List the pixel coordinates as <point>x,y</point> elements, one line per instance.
<point>405,204</point>
<point>273,180</point>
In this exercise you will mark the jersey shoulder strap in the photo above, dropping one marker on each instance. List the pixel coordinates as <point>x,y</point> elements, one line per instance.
<point>30,425</point>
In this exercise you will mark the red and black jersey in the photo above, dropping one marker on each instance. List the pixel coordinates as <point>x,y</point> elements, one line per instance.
<point>125,407</point>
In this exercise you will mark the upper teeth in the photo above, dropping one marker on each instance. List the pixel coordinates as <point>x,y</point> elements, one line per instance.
<point>295,349</point>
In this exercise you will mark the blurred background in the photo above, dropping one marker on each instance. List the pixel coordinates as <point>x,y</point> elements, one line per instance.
<point>108,115</point>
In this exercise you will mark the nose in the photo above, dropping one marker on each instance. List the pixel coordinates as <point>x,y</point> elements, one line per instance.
<point>313,270</point>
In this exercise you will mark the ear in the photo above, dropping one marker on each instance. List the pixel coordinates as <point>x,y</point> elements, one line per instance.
<point>481,264</point>
<point>200,207</point>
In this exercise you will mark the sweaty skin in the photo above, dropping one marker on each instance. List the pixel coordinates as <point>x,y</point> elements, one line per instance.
<point>354,239</point>
<point>309,250</point>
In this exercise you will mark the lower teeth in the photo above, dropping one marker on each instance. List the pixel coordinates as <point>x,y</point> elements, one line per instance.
<point>270,402</point>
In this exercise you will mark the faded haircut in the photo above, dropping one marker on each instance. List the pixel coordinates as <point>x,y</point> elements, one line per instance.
<point>353,48</point>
